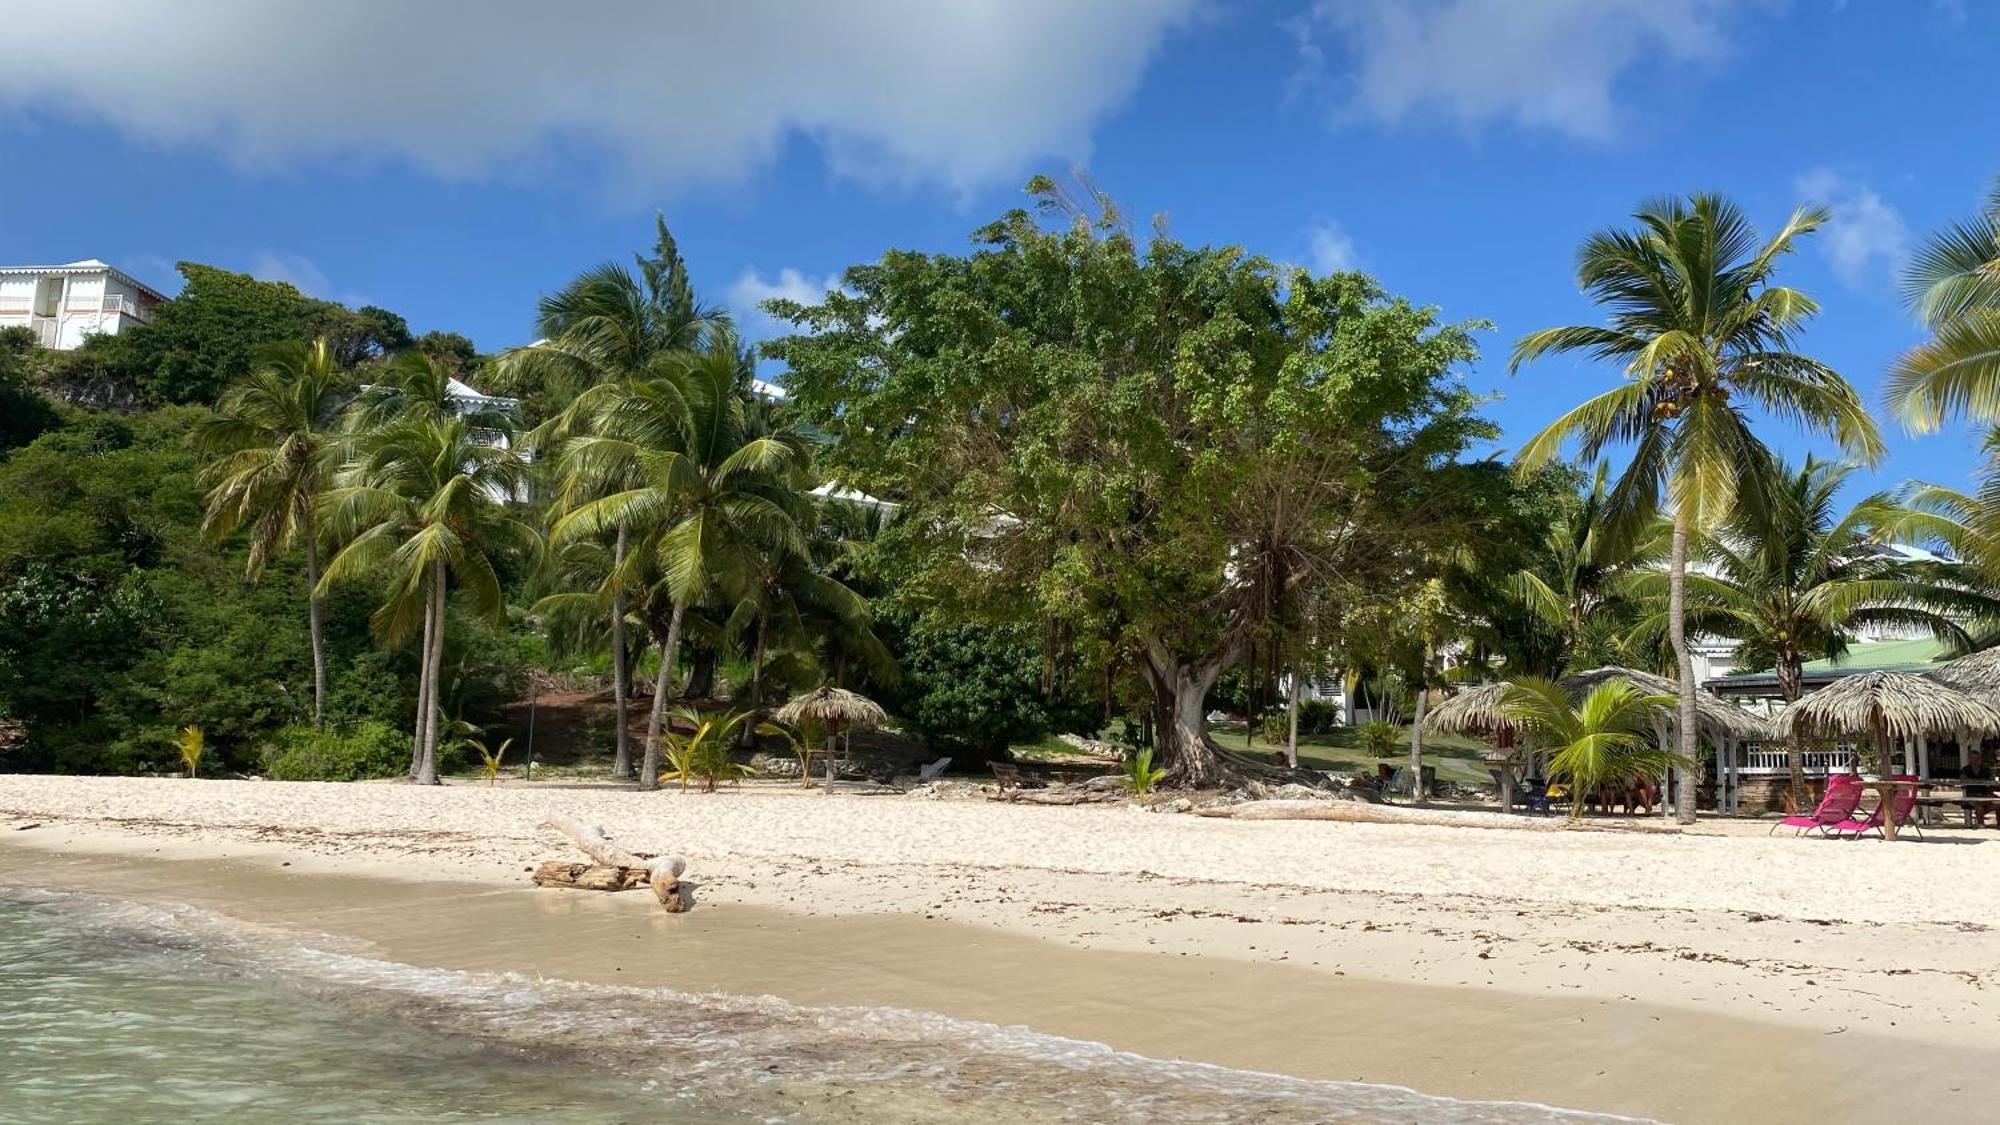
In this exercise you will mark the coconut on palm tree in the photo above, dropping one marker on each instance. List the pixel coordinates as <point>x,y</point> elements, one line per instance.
<point>1703,336</point>
<point>714,493</point>
<point>426,504</point>
<point>273,440</point>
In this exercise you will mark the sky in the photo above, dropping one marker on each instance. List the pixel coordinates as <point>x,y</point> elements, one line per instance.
<point>453,162</point>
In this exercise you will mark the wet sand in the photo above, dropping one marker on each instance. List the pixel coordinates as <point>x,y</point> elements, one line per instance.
<point>1603,1053</point>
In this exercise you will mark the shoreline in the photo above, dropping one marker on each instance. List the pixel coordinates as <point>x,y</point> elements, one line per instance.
<point>1665,1009</point>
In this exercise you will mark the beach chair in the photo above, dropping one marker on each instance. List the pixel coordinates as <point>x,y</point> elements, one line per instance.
<point>933,771</point>
<point>1843,794</point>
<point>1905,805</point>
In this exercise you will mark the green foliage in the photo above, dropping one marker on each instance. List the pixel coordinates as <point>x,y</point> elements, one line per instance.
<point>24,413</point>
<point>355,752</point>
<point>190,744</point>
<point>1379,737</point>
<point>1138,771</point>
<point>978,687</point>
<point>703,754</point>
<point>490,758</point>
<point>1605,740</point>
<point>1316,717</point>
<point>803,749</point>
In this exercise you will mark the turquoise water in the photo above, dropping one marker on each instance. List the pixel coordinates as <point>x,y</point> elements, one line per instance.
<point>121,1011</point>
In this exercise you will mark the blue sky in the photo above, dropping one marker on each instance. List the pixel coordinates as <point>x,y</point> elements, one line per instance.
<point>453,168</point>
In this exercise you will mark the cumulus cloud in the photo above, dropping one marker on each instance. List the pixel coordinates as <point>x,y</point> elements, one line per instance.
<point>1866,241</point>
<point>1553,64</point>
<point>751,289</point>
<point>1330,249</point>
<point>958,93</point>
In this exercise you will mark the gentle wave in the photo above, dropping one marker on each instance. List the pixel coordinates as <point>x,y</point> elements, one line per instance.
<point>760,1057</point>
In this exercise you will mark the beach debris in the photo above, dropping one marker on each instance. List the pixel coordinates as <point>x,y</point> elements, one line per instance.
<point>612,868</point>
<point>1095,791</point>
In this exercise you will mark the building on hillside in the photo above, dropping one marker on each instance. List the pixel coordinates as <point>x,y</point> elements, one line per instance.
<point>66,304</point>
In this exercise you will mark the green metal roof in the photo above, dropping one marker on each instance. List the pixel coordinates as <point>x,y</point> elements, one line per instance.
<point>1919,655</point>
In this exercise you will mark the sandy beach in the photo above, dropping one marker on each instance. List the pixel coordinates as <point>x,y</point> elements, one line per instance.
<point>1710,975</point>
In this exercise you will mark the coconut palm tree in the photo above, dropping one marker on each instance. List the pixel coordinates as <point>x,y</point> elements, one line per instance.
<point>273,438</point>
<point>713,493</point>
<point>1792,576</point>
<point>1581,584</point>
<point>426,504</point>
<point>604,330</point>
<point>1953,283</point>
<point>1702,334</point>
<point>1606,739</point>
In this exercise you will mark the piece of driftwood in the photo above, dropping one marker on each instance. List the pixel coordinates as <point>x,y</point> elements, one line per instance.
<point>620,869</point>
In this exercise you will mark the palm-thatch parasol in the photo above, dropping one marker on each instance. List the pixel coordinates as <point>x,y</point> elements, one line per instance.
<point>1713,717</point>
<point>1977,675</point>
<point>1887,705</point>
<point>1475,710</point>
<point>836,711</point>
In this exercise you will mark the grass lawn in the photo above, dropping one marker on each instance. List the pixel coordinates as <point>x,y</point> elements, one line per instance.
<point>1456,757</point>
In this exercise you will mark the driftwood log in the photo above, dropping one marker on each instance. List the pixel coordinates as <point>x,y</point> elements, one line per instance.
<point>612,868</point>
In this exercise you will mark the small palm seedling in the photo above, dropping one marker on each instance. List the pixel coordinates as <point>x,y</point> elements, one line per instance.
<point>801,748</point>
<point>490,759</point>
<point>704,754</point>
<point>191,742</point>
<point>1140,776</point>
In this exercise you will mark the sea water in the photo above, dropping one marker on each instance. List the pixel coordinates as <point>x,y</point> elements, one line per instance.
<point>121,1011</point>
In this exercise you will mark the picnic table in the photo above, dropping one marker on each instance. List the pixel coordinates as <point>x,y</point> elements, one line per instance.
<point>1936,795</point>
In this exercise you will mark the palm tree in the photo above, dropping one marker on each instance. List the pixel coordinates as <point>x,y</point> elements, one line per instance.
<point>715,493</point>
<point>1604,740</point>
<point>1702,333</point>
<point>273,439</point>
<point>426,504</point>
<point>608,328</point>
<point>1953,282</point>
<point>1581,583</point>
<point>1791,577</point>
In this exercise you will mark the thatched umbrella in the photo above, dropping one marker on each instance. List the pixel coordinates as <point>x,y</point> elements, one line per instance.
<point>1713,717</point>
<point>1475,710</point>
<point>1977,675</point>
<point>1887,705</point>
<point>836,711</point>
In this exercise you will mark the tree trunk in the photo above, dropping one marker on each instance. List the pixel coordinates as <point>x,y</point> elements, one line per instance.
<point>1417,793</point>
<point>1292,722</point>
<point>1791,685</point>
<point>427,770</point>
<point>1180,690</point>
<point>621,668</point>
<point>649,773</point>
<point>423,693</point>
<point>1687,733</point>
<point>313,614</point>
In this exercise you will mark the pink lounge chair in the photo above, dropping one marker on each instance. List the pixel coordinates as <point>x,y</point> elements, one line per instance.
<point>1905,798</point>
<point>1843,794</point>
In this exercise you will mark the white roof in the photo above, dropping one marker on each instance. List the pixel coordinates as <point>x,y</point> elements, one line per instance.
<point>90,265</point>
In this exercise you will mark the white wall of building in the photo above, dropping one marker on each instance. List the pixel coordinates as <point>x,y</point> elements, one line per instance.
<point>65,305</point>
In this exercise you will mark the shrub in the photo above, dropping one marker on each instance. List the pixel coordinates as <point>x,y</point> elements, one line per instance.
<point>1378,737</point>
<point>1140,776</point>
<point>354,752</point>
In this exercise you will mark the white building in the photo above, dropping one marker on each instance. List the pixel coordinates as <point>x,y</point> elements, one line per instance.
<point>64,304</point>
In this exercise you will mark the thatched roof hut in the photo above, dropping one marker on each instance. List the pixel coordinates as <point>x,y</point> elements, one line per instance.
<point>833,710</point>
<point>1474,710</point>
<point>1886,705</point>
<point>1977,675</point>
<point>1714,718</point>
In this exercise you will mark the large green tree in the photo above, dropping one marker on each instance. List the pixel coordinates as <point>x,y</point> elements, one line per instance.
<point>1151,448</point>
<point>274,447</point>
<point>1705,340</point>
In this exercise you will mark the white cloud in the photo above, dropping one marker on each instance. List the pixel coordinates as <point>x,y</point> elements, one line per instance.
<point>1553,64</point>
<point>751,289</point>
<point>1331,250</point>
<point>959,93</point>
<point>1866,241</point>
<point>296,270</point>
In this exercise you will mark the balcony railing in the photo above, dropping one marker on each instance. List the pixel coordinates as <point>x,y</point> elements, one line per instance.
<point>1819,763</point>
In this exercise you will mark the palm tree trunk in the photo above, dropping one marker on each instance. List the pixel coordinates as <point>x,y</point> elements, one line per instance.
<point>649,773</point>
<point>423,693</point>
<point>1417,793</point>
<point>313,628</point>
<point>1791,675</point>
<point>621,670</point>
<point>427,774</point>
<point>1686,734</point>
<point>1292,725</point>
